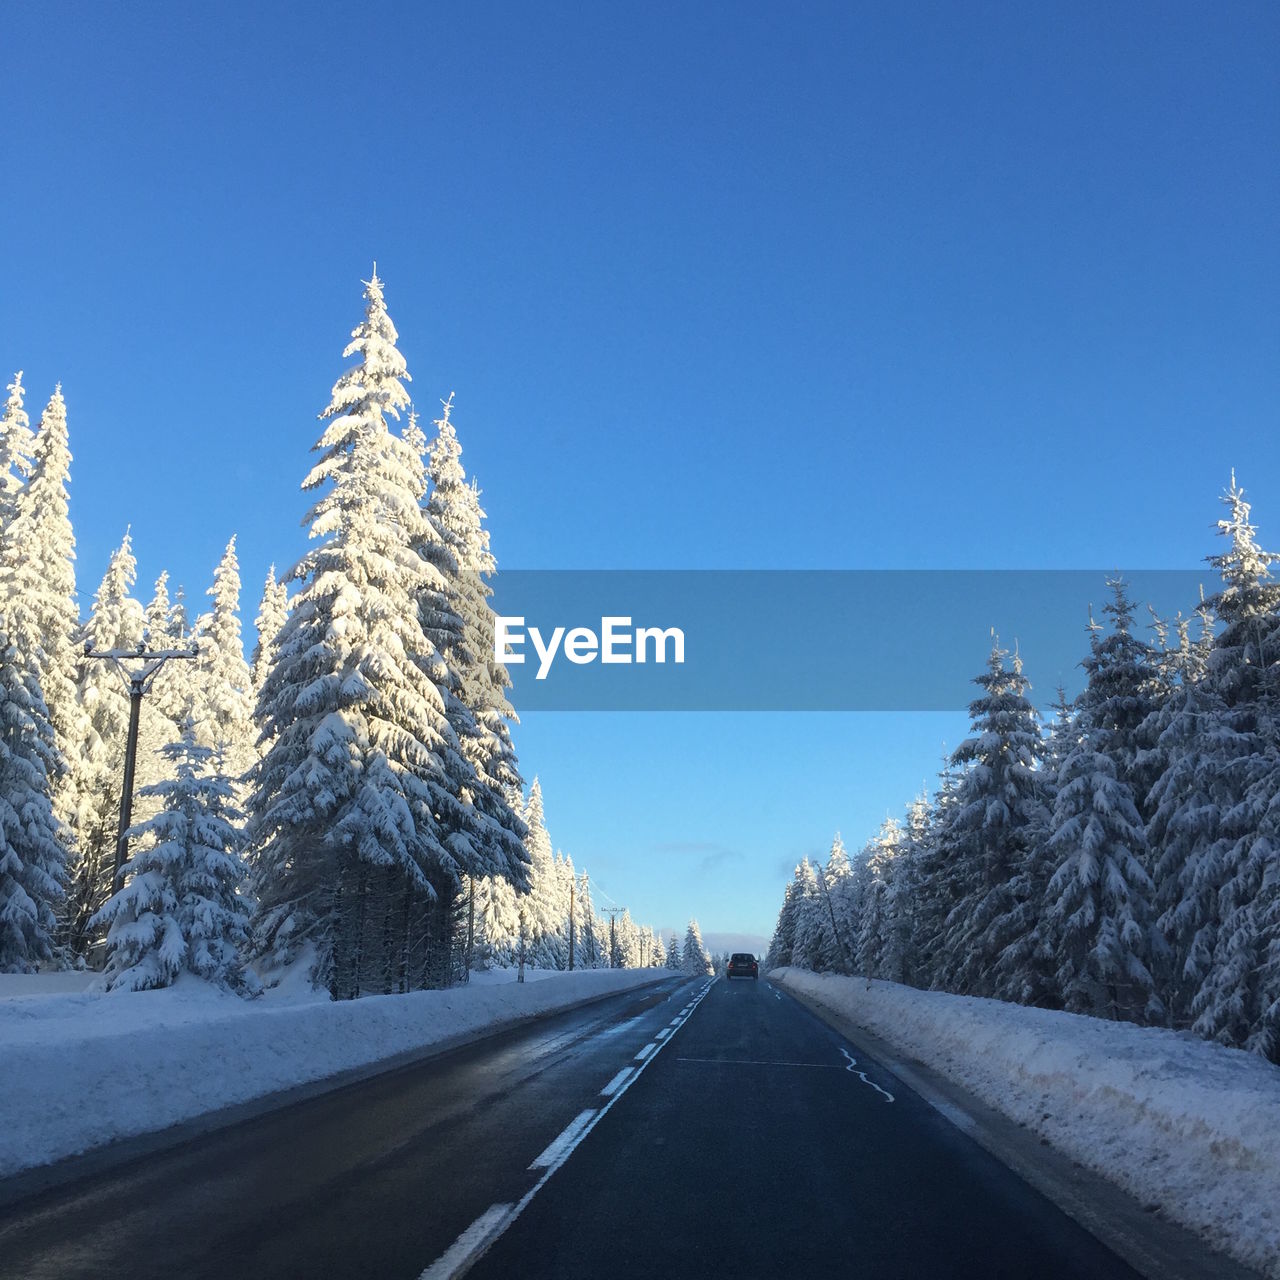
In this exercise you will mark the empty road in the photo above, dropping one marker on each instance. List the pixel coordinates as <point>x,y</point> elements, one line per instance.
<point>689,1129</point>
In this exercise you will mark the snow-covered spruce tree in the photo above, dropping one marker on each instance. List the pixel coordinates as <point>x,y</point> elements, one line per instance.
<point>32,858</point>
<point>222,710</point>
<point>931,903</point>
<point>878,940</point>
<point>15,449</point>
<point>814,942</point>
<point>1243,671</point>
<point>838,887</point>
<point>547,913</point>
<point>481,714</point>
<point>38,561</point>
<point>1197,755</point>
<point>179,910</point>
<point>273,609</point>
<point>359,787</point>
<point>1098,902</point>
<point>901,953</point>
<point>988,844</point>
<point>115,623</point>
<point>696,960</point>
<point>674,959</point>
<point>455,617</point>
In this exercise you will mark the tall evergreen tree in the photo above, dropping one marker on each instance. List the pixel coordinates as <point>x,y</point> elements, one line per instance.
<point>272,612</point>
<point>457,545</point>
<point>179,910</point>
<point>1099,909</point>
<point>37,559</point>
<point>223,710</point>
<point>32,859</point>
<point>362,772</point>
<point>696,960</point>
<point>1243,671</point>
<point>15,449</point>
<point>989,842</point>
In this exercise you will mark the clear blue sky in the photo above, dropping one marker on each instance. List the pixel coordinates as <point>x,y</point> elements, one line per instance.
<point>717,285</point>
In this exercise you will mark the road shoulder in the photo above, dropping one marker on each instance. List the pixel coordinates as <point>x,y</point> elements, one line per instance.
<point>1151,1244</point>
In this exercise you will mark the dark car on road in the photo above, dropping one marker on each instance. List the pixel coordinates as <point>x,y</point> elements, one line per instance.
<point>742,965</point>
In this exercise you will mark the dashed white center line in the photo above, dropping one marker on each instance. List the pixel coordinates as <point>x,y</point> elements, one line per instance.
<point>471,1242</point>
<point>571,1133</point>
<point>663,1034</point>
<point>476,1239</point>
<point>616,1083</point>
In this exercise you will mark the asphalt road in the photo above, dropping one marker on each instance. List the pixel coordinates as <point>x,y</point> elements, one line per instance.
<point>685,1131</point>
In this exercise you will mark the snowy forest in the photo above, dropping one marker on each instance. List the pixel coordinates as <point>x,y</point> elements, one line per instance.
<point>347,797</point>
<point>1120,861</point>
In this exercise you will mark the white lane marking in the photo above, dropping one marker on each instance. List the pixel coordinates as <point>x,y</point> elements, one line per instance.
<point>862,1075</point>
<point>566,1141</point>
<point>457,1261</point>
<point>663,1034</point>
<point>470,1244</point>
<point>777,996</point>
<point>615,1084</point>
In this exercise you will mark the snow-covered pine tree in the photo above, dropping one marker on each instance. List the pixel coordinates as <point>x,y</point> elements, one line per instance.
<point>1124,693</point>
<point>361,774</point>
<point>115,623</point>
<point>988,842</point>
<point>902,948</point>
<point>674,959</point>
<point>876,923</point>
<point>15,449</point>
<point>696,960</point>
<point>453,608</point>
<point>179,910</point>
<point>222,711</point>
<point>273,609</point>
<point>547,943</point>
<point>813,938</point>
<point>840,901</point>
<point>37,561</point>
<point>32,858</point>
<point>457,544</point>
<point>1098,906</point>
<point>1243,671</point>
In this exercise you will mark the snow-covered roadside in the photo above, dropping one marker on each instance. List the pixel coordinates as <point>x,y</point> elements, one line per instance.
<point>1177,1121</point>
<point>84,1069</point>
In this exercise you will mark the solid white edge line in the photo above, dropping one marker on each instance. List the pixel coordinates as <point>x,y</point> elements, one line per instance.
<point>474,1239</point>
<point>613,1086</point>
<point>501,1223</point>
<point>565,1139</point>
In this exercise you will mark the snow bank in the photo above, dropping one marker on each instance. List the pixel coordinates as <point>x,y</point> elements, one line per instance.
<point>1178,1122</point>
<point>82,1068</point>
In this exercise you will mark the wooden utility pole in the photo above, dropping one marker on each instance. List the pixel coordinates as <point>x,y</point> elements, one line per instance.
<point>613,913</point>
<point>471,927</point>
<point>145,663</point>
<point>573,880</point>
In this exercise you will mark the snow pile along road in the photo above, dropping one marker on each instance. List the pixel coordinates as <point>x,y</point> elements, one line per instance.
<point>1179,1122</point>
<point>84,1069</point>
